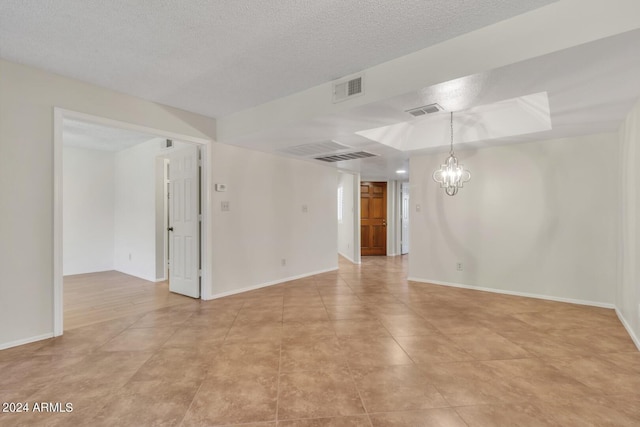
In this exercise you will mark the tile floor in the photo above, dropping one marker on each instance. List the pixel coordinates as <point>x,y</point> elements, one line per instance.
<point>358,347</point>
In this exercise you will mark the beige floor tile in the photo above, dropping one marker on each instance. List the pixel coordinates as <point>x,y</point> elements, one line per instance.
<point>442,417</point>
<point>543,343</point>
<point>512,414</point>
<point>396,388</point>
<point>322,350</point>
<point>255,332</point>
<point>312,329</point>
<point>488,346</point>
<point>350,311</point>
<point>305,354</point>
<point>252,358</point>
<point>317,394</point>
<point>605,340</point>
<point>598,374</point>
<point>471,383</point>
<point>147,403</point>
<point>433,348</point>
<point>407,325</point>
<point>373,351</point>
<point>186,365</point>
<point>234,400</point>
<point>250,315</point>
<point>360,328</point>
<point>627,360</point>
<point>305,313</point>
<point>354,421</point>
<point>537,379</point>
<point>142,339</point>
<point>197,337</point>
<point>594,411</point>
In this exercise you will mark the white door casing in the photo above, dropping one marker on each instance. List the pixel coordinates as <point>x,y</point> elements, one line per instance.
<point>404,218</point>
<point>184,227</point>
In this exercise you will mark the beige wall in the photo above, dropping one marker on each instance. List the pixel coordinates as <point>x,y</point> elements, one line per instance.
<point>537,218</point>
<point>266,222</point>
<point>27,99</point>
<point>628,291</point>
<point>266,193</point>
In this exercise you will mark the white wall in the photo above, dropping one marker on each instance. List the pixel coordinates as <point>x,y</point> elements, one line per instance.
<point>538,218</point>
<point>628,290</point>
<point>393,217</point>
<point>88,203</point>
<point>346,227</point>
<point>27,99</point>
<point>266,222</point>
<point>135,209</point>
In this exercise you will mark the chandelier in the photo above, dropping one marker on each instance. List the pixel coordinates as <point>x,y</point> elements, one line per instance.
<point>451,175</point>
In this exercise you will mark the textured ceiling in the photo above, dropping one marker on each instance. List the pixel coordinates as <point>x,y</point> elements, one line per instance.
<point>219,57</point>
<point>590,88</point>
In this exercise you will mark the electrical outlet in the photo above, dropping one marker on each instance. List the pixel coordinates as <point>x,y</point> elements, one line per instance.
<point>459,266</point>
<point>305,208</point>
<point>284,262</point>
<point>224,206</point>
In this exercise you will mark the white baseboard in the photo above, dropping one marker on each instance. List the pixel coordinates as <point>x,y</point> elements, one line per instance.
<point>348,258</point>
<point>266,284</point>
<point>24,341</point>
<point>626,325</point>
<point>520,294</point>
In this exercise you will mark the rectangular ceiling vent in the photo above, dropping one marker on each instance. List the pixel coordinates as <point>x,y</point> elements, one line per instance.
<point>347,89</point>
<point>345,156</point>
<point>424,110</point>
<point>314,149</point>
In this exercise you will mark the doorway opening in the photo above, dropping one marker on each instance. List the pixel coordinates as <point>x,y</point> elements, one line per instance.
<point>133,254</point>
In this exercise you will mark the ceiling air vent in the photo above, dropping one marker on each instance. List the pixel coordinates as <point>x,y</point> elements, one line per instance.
<point>345,156</point>
<point>347,89</point>
<point>314,149</point>
<point>424,110</point>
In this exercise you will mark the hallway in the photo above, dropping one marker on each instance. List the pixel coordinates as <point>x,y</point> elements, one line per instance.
<point>356,347</point>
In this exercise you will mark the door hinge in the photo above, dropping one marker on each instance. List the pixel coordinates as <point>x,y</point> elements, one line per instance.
<point>200,217</point>
<point>199,273</point>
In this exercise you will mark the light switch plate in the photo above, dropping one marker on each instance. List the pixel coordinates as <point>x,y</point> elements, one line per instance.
<point>221,187</point>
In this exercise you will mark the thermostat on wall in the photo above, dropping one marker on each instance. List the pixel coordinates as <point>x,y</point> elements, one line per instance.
<point>221,187</point>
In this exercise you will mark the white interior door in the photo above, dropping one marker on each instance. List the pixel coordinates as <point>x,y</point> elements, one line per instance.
<point>184,223</point>
<point>404,219</point>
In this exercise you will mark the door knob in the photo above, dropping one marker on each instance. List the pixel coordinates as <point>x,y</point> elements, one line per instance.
<point>170,228</point>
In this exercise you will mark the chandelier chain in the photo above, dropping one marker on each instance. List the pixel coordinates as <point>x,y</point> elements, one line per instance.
<point>451,147</point>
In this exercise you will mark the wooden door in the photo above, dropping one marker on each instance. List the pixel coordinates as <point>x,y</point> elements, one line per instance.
<point>373,218</point>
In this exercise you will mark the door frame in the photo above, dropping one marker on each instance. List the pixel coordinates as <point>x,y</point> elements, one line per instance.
<point>355,177</point>
<point>59,114</point>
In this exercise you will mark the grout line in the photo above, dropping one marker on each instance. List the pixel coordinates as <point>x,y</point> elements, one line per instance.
<point>192,400</point>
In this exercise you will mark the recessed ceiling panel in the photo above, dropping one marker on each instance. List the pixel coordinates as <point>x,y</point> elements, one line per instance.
<point>512,117</point>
